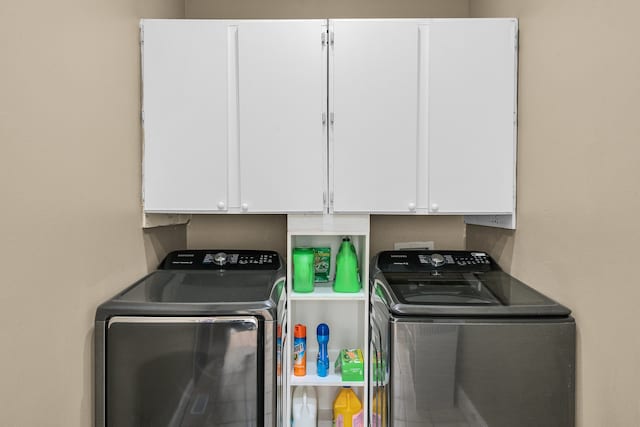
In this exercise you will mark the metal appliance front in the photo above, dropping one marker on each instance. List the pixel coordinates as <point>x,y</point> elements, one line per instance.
<point>482,373</point>
<point>434,371</point>
<point>189,371</point>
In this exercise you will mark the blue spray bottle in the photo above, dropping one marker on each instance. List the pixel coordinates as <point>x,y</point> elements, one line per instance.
<point>323,354</point>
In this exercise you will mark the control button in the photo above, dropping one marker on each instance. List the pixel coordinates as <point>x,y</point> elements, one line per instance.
<point>437,260</point>
<point>220,258</point>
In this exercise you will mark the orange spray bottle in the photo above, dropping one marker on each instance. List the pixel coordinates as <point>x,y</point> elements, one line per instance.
<point>299,350</point>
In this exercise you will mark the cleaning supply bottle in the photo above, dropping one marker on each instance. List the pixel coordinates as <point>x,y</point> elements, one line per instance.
<point>299,350</point>
<point>303,269</point>
<point>322,331</point>
<point>304,407</point>
<point>347,409</point>
<point>347,279</point>
<point>279,350</point>
<point>379,408</point>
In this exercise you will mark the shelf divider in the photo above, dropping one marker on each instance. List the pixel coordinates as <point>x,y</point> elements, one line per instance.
<point>324,291</point>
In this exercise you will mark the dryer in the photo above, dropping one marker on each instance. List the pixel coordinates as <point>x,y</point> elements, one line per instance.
<point>457,341</point>
<point>194,343</point>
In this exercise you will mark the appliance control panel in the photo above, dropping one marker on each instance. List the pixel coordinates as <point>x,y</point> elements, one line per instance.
<point>420,260</point>
<point>221,259</point>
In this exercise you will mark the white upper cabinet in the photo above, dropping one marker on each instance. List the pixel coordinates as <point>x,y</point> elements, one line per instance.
<point>184,77</point>
<point>345,116</point>
<point>233,116</point>
<point>282,101</point>
<point>374,110</point>
<point>424,116</point>
<point>472,116</point>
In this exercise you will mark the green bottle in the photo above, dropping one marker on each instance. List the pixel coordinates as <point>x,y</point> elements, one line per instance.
<point>303,269</point>
<point>347,279</point>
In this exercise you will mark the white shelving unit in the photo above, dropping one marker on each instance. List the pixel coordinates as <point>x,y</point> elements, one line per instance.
<point>345,313</point>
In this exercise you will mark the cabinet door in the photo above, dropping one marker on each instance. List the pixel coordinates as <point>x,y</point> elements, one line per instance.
<point>282,98</point>
<point>185,115</point>
<point>472,87</point>
<point>374,100</point>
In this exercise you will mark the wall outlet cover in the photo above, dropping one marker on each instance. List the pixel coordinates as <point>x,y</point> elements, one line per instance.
<point>414,245</point>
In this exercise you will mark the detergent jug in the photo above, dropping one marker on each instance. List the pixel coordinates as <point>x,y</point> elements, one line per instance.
<point>379,408</point>
<point>347,409</point>
<point>304,407</point>
<point>347,279</point>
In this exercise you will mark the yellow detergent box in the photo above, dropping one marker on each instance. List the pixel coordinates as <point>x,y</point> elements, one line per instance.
<point>350,364</point>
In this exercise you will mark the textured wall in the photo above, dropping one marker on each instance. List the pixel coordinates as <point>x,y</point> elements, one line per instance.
<point>578,151</point>
<point>281,9</point>
<point>70,188</point>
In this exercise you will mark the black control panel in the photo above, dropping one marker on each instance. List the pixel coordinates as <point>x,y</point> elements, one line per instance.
<point>221,259</point>
<point>421,260</point>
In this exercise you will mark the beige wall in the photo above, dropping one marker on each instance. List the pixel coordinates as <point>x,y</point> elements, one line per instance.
<point>578,151</point>
<point>281,9</point>
<point>70,221</point>
<point>446,232</point>
<point>238,232</point>
<point>270,231</point>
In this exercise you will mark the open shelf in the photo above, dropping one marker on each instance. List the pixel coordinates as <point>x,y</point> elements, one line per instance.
<point>324,291</point>
<point>346,314</point>
<point>325,418</point>
<point>332,380</point>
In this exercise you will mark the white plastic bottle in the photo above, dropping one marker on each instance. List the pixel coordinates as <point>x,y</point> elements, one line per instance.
<point>305,407</point>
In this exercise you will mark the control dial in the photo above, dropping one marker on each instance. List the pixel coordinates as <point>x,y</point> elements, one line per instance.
<point>437,260</point>
<point>220,258</point>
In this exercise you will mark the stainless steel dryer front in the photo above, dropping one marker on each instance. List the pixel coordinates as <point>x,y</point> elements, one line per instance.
<point>193,343</point>
<point>457,341</point>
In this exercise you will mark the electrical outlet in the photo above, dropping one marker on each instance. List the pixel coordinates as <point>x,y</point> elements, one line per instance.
<point>414,245</point>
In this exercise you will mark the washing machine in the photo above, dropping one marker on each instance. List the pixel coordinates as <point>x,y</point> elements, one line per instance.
<point>457,341</point>
<point>193,344</point>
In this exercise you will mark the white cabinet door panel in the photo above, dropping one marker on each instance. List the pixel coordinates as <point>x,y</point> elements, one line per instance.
<point>282,95</point>
<point>472,87</point>
<point>185,116</point>
<point>374,96</point>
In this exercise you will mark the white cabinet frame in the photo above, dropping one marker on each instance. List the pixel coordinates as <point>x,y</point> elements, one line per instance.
<point>347,314</point>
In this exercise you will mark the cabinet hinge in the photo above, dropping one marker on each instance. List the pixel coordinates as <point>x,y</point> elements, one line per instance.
<point>324,198</point>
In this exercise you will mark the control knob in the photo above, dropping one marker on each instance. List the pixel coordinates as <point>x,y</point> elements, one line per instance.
<point>220,258</point>
<point>437,260</point>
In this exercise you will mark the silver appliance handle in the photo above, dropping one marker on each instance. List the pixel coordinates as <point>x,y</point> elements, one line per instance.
<point>194,319</point>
